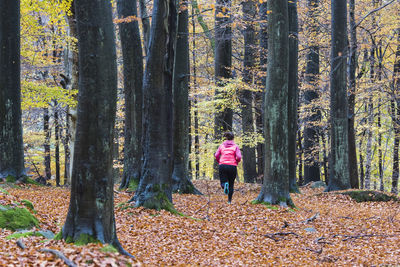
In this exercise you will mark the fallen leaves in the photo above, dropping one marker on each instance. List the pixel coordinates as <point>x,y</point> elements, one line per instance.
<point>215,233</point>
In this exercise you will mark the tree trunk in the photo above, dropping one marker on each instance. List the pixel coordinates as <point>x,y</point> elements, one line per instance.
<point>396,116</point>
<point>133,90</point>
<point>380,154</point>
<point>275,188</point>
<point>222,69</point>
<point>300,158</point>
<point>90,216</point>
<point>74,84</point>
<point>293,93</point>
<point>181,178</point>
<point>11,143</point>
<point>339,165</point>
<point>311,151</point>
<point>352,91</point>
<point>46,144</point>
<point>246,97</point>
<point>155,190</point>
<point>57,139</point>
<point>370,119</point>
<point>259,98</point>
<point>195,113</point>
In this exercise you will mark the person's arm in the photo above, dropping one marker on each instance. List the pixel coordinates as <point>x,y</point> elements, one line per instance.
<point>238,154</point>
<point>217,154</point>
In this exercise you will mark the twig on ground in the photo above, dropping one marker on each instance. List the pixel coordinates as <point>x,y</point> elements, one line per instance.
<point>59,254</point>
<point>311,219</point>
<point>318,240</point>
<point>319,251</point>
<point>21,244</point>
<point>280,234</point>
<point>360,236</point>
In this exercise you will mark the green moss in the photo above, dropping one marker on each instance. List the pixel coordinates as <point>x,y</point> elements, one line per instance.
<point>266,204</point>
<point>109,249</point>
<point>58,236</point>
<point>17,218</point>
<point>133,185</point>
<point>28,204</point>
<point>10,179</point>
<point>367,195</point>
<point>85,239</point>
<point>31,181</point>
<point>22,234</point>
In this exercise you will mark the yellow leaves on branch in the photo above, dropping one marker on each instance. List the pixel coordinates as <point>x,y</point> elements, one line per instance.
<point>126,19</point>
<point>35,95</point>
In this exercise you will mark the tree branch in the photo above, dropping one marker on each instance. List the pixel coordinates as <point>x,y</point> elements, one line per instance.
<point>371,12</point>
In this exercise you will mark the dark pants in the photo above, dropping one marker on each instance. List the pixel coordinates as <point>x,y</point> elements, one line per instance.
<point>227,173</point>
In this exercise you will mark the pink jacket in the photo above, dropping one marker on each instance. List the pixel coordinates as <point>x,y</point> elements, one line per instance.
<point>228,153</point>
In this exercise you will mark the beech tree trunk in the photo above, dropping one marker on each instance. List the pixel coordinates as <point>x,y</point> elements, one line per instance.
<point>339,178</point>
<point>396,117</point>
<point>275,188</point>
<point>46,144</point>
<point>181,176</point>
<point>133,90</point>
<point>311,151</point>
<point>259,97</point>
<point>57,139</point>
<point>74,84</point>
<point>11,143</point>
<point>155,191</point>
<point>293,93</point>
<point>246,97</point>
<point>354,183</point>
<point>90,216</point>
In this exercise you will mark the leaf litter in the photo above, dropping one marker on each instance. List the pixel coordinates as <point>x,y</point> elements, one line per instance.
<point>213,232</point>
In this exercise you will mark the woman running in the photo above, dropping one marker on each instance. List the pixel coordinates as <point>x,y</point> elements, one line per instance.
<point>228,156</point>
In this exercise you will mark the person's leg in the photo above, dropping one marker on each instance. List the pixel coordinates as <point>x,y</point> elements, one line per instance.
<point>232,177</point>
<point>223,176</point>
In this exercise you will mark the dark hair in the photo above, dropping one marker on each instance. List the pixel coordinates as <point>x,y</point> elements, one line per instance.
<point>229,136</point>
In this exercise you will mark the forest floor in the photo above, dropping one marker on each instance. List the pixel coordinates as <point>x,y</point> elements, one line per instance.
<point>323,229</point>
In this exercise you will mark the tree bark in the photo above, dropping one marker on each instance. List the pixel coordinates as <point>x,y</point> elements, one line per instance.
<point>339,160</point>
<point>57,139</point>
<point>396,117</point>
<point>293,93</point>
<point>311,151</point>
<point>155,191</point>
<point>195,113</point>
<point>133,90</point>
<point>46,144</point>
<point>275,188</point>
<point>259,97</point>
<point>11,143</point>
<point>222,69</point>
<point>354,183</point>
<point>74,84</point>
<point>181,177</point>
<point>90,216</point>
<point>246,97</point>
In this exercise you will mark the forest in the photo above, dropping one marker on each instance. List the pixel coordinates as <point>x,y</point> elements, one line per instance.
<point>124,122</point>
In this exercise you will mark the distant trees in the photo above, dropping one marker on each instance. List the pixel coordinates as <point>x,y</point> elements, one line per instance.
<point>311,167</point>
<point>339,163</point>
<point>11,143</point>
<point>275,188</point>
<point>90,216</point>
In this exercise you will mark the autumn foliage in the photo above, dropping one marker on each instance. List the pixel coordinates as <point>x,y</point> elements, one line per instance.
<point>324,229</point>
